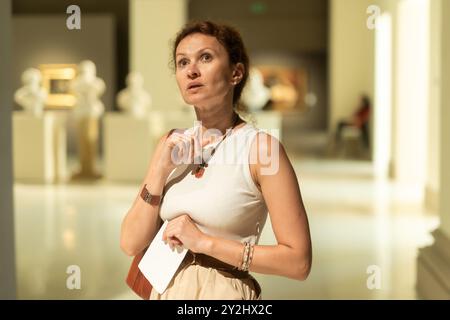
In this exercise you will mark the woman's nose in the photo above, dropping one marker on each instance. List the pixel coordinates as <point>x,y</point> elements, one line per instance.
<point>193,72</point>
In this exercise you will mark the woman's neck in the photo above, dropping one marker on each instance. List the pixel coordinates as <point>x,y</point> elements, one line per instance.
<point>217,118</point>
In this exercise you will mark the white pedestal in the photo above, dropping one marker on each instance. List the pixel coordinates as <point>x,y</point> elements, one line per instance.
<point>39,147</point>
<point>60,146</point>
<point>271,122</point>
<point>128,144</point>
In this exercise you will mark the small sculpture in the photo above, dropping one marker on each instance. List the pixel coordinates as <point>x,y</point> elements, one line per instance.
<point>88,89</point>
<point>256,94</point>
<point>88,110</point>
<point>134,99</point>
<point>31,97</point>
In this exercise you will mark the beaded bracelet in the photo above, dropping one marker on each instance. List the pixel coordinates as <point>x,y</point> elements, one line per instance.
<point>246,252</point>
<point>250,257</point>
<point>252,248</point>
<point>245,255</point>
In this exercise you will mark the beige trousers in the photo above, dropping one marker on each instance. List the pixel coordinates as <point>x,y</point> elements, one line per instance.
<point>198,282</point>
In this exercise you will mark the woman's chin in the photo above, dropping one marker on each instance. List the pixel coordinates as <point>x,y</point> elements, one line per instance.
<point>195,101</point>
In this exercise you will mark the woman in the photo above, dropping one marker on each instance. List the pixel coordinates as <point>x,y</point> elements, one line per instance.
<point>359,119</point>
<point>218,211</point>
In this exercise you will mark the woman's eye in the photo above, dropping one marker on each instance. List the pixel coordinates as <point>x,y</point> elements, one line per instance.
<point>206,57</point>
<point>182,62</point>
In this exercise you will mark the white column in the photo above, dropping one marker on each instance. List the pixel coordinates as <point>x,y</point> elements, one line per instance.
<point>153,25</point>
<point>7,253</point>
<point>433,269</point>
<point>432,178</point>
<point>382,110</point>
<point>411,99</point>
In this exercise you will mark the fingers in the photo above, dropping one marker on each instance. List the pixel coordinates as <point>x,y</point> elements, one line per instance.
<point>169,236</point>
<point>180,151</point>
<point>188,147</point>
<point>171,240</point>
<point>174,242</point>
<point>205,142</point>
<point>173,231</point>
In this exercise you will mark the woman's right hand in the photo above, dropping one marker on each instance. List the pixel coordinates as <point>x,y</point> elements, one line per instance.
<point>180,148</point>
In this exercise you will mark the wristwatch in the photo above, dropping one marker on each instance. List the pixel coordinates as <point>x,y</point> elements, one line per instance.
<point>150,198</point>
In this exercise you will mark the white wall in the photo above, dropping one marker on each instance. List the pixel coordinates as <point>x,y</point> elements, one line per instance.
<point>153,25</point>
<point>351,57</point>
<point>285,26</point>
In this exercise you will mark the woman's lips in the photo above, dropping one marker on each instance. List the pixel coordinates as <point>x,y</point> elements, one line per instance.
<point>194,87</point>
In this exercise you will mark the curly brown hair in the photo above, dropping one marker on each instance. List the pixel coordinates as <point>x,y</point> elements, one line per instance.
<point>230,39</point>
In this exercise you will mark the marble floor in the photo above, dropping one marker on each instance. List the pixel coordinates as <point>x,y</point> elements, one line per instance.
<point>357,223</point>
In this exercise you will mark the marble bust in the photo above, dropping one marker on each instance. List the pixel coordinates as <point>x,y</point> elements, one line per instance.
<point>88,89</point>
<point>134,99</point>
<point>255,94</point>
<point>31,97</point>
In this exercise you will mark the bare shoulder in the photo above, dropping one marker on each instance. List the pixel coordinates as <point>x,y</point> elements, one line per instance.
<point>266,154</point>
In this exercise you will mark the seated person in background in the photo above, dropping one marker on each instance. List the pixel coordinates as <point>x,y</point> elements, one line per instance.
<point>360,120</point>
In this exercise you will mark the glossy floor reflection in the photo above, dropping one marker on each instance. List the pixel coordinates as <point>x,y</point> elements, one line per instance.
<point>356,222</point>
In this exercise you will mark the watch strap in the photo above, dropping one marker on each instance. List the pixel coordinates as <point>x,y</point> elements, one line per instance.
<point>150,198</point>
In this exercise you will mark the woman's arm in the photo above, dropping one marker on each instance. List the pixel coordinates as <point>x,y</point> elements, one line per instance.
<point>141,222</point>
<point>292,256</point>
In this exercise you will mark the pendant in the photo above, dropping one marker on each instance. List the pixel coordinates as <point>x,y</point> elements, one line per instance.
<point>200,170</point>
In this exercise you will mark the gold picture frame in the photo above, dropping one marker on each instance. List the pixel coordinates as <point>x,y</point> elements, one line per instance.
<point>288,86</point>
<point>56,79</point>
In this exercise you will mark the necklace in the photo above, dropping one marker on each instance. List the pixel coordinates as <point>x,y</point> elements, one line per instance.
<point>200,170</point>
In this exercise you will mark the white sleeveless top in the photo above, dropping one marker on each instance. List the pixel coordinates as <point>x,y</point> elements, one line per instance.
<point>225,201</point>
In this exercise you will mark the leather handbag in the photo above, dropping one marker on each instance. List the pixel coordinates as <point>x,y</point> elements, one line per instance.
<point>136,280</point>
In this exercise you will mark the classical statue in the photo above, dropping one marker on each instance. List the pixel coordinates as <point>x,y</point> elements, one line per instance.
<point>88,89</point>
<point>31,97</point>
<point>134,99</point>
<point>256,94</point>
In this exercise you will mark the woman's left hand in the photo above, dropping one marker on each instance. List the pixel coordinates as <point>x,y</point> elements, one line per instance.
<point>183,231</point>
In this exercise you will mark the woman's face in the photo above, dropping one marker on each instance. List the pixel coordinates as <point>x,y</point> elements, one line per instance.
<point>203,71</point>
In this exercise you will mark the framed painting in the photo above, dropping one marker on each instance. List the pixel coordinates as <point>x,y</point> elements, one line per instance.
<point>56,79</point>
<point>288,87</point>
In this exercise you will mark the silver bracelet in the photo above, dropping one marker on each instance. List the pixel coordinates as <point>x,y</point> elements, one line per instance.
<point>244,255</point>
<point>249,257</point>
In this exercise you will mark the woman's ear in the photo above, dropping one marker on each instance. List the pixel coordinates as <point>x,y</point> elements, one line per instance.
<point>238,73</point>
